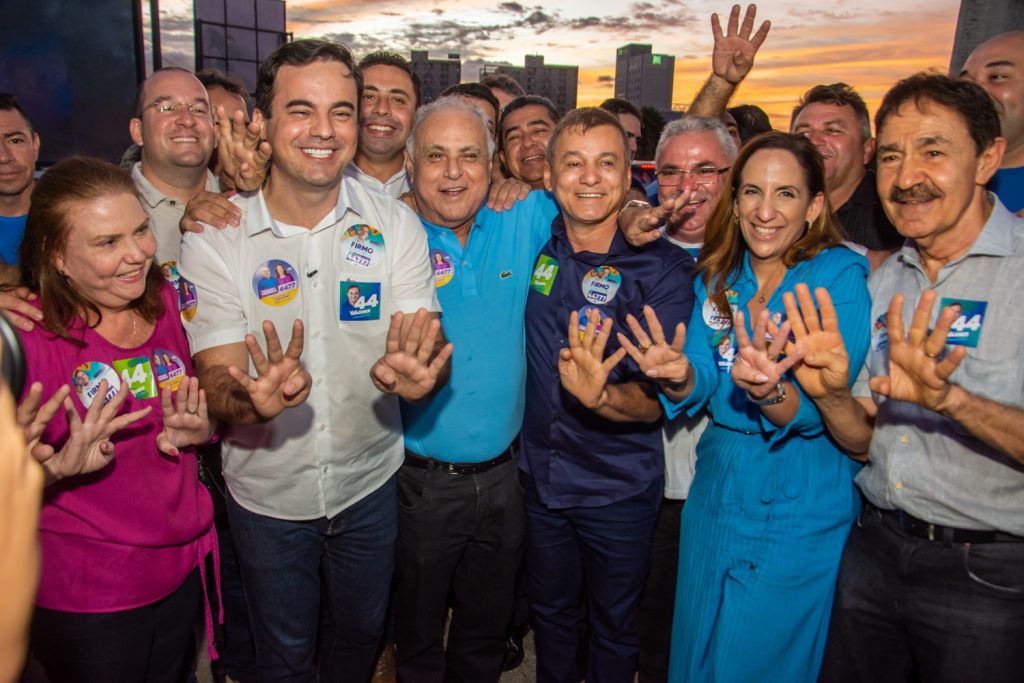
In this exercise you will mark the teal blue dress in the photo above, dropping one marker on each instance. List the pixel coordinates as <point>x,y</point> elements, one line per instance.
<point>770,508</point>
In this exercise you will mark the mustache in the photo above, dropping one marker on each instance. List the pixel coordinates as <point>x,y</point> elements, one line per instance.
<point>916,193</point>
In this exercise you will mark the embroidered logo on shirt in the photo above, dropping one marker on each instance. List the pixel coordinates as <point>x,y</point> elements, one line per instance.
<point>444,267</point>
<point>544,273</point>
<point>359,301</point>
<point>362,245</point>
<point>966,329</point>
<point>505,274</point>
<point>275,282</point>
<point>601,284</point>
<point>87,378</point>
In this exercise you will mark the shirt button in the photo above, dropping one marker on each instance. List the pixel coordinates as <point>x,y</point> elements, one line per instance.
<point>904,439</point>
<point>316,334</point>
<point>324,469</point>
<point>315,284</point>
<point>172,202</point>
<point>322,427</point>
<point>319,380</point>
<point>899,486</point>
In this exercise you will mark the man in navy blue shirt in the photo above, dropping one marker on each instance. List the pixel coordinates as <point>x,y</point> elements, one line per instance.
<point>19,149</point>
<point>592,461</point>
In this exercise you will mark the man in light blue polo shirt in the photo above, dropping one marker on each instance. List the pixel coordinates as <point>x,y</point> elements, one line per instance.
<point>460,511</point>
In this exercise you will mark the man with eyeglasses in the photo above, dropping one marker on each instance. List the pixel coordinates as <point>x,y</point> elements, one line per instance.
<point>173,124</point>
<point>692,157</point>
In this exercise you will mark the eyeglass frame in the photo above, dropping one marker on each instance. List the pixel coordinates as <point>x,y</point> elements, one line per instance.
<point>696,179</point>
<point>164,107</point>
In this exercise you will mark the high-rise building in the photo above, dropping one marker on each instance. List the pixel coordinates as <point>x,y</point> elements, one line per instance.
<point>555,82</point>
<point>644,78</point>
<point>435,74</point>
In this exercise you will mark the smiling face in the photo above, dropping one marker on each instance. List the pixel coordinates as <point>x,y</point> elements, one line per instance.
<point>929,171</point>
<point>525,134</point>
<point>19,149</point>
<point>312,126</point>
<point>109,250</point>
<point>836,133</point>
<point>997,65</point>
<point>773,204</point>
<point>690,151</point>
<point>386,112</point>
<point>174,140</point>
<point>450,168</point>
<point>352,295</point>
<point>589,176</point>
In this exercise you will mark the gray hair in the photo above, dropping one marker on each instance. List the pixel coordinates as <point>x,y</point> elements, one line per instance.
<point>449,104</point>
<point>689,124</point>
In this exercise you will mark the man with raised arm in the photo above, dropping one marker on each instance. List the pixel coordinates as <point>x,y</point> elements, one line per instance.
<point>315,439</point>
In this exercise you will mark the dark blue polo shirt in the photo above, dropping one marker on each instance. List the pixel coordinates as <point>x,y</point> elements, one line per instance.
<point>575,457</point>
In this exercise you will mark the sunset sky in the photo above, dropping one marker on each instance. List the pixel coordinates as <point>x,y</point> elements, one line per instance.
<point>866,43</point>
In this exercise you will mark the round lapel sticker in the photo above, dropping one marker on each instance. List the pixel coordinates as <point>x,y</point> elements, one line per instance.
<point>275,283</point>
<point>87,378</point>
<point>444,267</point>
<point>188,299</point>
<point>601,284</point>
<point>362,245</point>
<point>169,369</point>
<point>589,311</point>
<point>170,271</point>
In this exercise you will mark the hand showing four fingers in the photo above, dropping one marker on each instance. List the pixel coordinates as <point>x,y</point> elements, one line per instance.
<point>186,422</point>
<point>582,367</point>
<point>757,369</point>
<point>653,354</point>
<point>825,370</point>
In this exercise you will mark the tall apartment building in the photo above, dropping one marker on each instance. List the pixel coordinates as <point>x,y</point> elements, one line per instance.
<point>644,78</point>
<point>555,82</point>
<point>435,74</point>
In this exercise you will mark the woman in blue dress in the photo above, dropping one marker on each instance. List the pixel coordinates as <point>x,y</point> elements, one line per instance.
<point>773,497</point>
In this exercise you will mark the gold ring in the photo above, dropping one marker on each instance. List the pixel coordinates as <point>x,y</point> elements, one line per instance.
<point>192,412</point>
<point>644,348</point>
<point>931,355</point>
<point>659,342</point>
<point>770,357</point>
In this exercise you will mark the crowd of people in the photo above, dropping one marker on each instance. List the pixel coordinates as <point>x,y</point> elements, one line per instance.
<point>753,421</point>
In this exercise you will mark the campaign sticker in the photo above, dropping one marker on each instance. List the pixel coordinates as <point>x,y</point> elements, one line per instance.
<point>725,354</point>
<point>544,273</point>
<point>444,268</point>
<point>601,284</point>
<point>170,271</point>
<point>879,334</point>
<point>713,318</point>
<point>169,369</point>
<point>87,378</point>
<point>966,329</point>
<point>588,311</point>
<point>362,245</point>
<point>188,299</point>
<point>138,375</point>
<point>359,301</point>
<point>275,283</point>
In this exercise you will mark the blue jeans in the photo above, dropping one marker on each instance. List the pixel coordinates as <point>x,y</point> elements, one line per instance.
<point>909,609</point>
<point>605,550</point>
<point>283,565</point>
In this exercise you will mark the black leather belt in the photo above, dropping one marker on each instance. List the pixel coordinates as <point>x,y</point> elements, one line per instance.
<point>418,461</point>
<point>944,534</point>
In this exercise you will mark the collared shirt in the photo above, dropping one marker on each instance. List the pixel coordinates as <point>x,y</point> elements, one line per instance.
<point>396,185</point>
<point>343,279</point>
<point>863,218</point>
<point>921,462</point>
<point>165,213</point>
<point>577,458</point>
<point>482,288</point>
<point>1008,184</point>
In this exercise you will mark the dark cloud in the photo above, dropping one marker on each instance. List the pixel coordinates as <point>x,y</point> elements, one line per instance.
<point>605,78</point>
<point>512,7</point>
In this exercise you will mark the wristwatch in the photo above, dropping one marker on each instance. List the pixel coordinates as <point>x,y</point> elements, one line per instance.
<point>779,397</point>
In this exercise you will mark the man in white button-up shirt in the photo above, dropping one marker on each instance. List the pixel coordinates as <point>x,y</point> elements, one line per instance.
<point>315,439</point>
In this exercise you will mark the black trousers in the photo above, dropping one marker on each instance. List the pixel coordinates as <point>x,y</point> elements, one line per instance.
<point>150,644</point>
<point>658,599</point>
<point>460,535</point>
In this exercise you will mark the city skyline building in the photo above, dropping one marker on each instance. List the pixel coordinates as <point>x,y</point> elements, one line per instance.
<point>643,77</point>
<point>435,74</point>
<point>556,82</point>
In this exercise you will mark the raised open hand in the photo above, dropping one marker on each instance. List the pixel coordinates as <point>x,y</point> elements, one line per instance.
<point>88,447</point>
<point>582,367</point>
<point>242,153</point>
<point>33,416</point>
<point>280,380</point>
<point>656,357</point>
<point>916,372</point>
<point>406,368</point>
<point>186,422</point>
<point>734,51</point>
<point>757,369</point>
<point>825,369</point>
